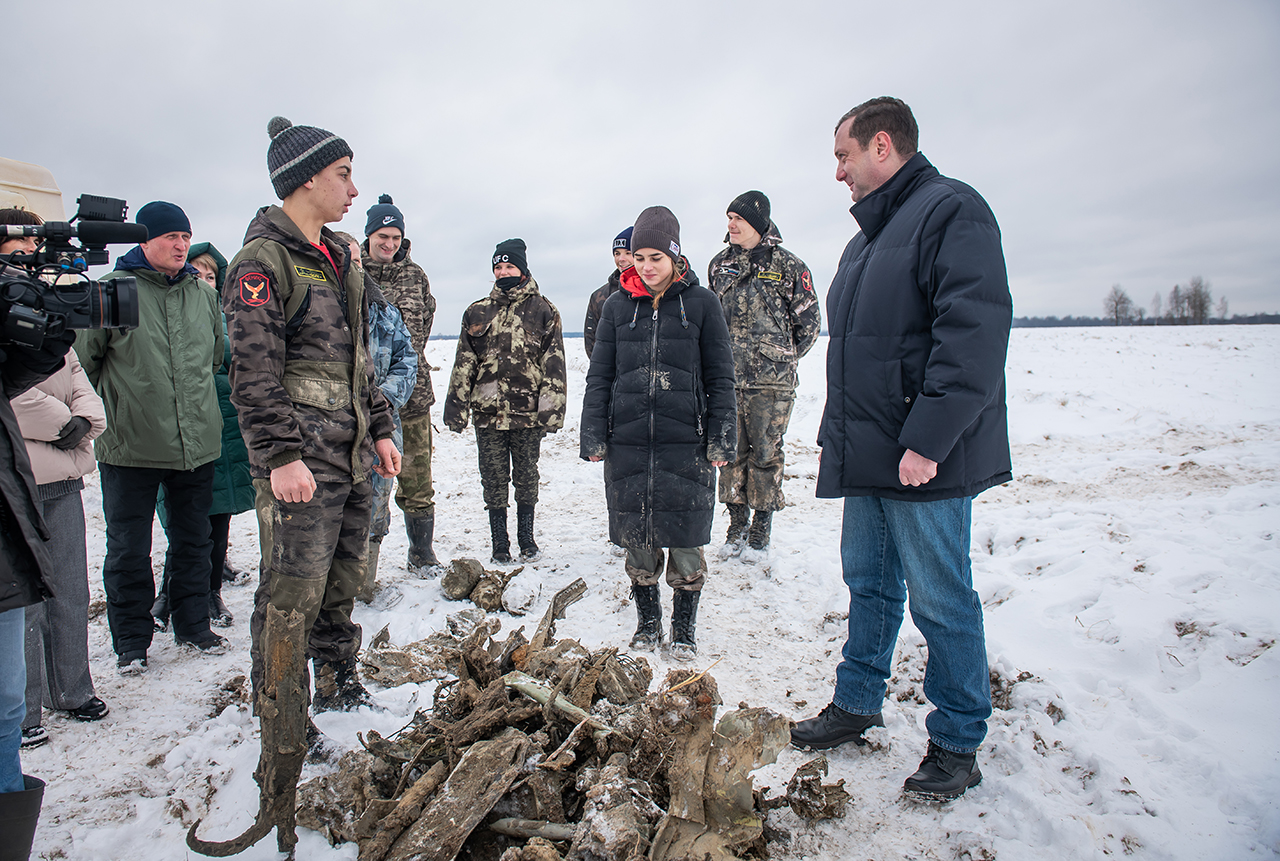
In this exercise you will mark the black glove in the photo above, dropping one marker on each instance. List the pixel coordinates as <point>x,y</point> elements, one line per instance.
<point>72,432</point>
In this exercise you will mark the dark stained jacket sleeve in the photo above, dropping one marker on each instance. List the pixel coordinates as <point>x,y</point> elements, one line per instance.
<point>961,253</point>
<point>718,384</point>
<point>593,433</point>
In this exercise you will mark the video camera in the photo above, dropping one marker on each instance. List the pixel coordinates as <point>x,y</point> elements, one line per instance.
<point>47,292</point>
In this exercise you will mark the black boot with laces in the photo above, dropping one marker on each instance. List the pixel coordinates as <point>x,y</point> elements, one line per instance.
<point>943,775</point>
<point>833,727</point>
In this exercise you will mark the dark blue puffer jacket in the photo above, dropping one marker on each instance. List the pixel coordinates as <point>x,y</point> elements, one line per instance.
<point>919,315</point>
<point>659,407</point>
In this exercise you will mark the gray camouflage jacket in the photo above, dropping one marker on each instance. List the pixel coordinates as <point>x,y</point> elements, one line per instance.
<point>405,285</point>
<point>773,313</point>
<point>509,372</point>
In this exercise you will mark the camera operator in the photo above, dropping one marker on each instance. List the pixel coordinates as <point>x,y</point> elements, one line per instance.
<point>25,564</point>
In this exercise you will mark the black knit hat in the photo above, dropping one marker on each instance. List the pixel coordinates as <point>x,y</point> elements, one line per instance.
<point>753,207</point>
<point>161,217</point>
<point>384,214</point>
<point>512,251</point>
<point>298,153</point>
<point>658,228</point>
<point>623,239</point>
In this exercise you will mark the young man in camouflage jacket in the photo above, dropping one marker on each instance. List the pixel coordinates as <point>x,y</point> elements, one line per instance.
<point>404,284</point>
<point>509,378</point>
<point>774,319</point>
<point>302,385</point>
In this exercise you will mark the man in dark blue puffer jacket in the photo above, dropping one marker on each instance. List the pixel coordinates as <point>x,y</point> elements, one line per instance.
<point>915,426</point>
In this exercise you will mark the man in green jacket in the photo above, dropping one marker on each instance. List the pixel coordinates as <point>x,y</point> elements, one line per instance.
<point>164,428</point>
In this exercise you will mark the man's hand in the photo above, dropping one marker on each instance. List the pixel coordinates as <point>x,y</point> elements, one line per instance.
<point>595,458</point>
<point>915,469</point>
<point>293,482</point>
<point>388,464</point>
<point>719,463</point>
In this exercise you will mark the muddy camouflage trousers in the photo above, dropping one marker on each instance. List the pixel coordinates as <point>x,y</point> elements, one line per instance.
<point>509,456</point>
<point>755,478</point>
<point>686,567</point>
<point>414,491</point>
<point>315,566</point>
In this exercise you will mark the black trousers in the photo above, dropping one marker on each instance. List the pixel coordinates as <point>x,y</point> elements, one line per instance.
<point>129,505</point>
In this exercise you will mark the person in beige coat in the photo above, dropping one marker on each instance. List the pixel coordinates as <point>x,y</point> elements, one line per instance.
<point>59,418</point>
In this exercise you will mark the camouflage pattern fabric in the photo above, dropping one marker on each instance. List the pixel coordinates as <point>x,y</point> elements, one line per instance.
<point>315,565</point>
<point>755,477</point>
<point>509,372</point>
<point>302,387</point>
<point>414,489</point>
<point>594,306</point>
<point>686,567</point>
<point>509,456</point>
<point>405,285</point>
<point>395,370</point>
<point>773,313</point>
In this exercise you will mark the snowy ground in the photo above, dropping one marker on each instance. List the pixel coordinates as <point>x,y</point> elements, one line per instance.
<point>1130,572</point>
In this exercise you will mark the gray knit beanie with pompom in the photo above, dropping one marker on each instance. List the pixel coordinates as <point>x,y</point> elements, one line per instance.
<point>298,153</point>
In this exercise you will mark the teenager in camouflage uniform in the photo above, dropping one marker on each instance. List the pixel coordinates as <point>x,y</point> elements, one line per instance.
<point>509,378</point>
<point>774,319</point>
<point>621,261</point>
<point>303,388</point>
<point>405,285</point>
<point>395,372</point>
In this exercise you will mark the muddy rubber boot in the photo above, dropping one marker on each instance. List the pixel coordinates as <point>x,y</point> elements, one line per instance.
<point>421,529</point>
<point>498,532</point>
<point>684,621</point>
<point>219,615</point>
<point>736,537</point>
<point>338,687</point>
<point>761,526</point>
<point>524,533</point>
<point>649,631</point>
<point>19,813</point>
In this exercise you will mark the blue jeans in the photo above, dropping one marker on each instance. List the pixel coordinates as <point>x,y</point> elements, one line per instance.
<point>890,549</point>
<point>13,686</point>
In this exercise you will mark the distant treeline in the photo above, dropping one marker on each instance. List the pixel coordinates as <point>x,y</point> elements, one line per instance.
<point>1062,322</point>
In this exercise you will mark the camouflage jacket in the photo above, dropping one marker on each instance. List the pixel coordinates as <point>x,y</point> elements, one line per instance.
<point>773,313</point>
<point>405,285</point>
<point>395,364</point>
<point>594,306</point>
<point>301,379</point>
<point>509,373</point>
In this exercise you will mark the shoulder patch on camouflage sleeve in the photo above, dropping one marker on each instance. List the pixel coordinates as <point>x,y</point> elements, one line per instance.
<point>806,281</point>
<point>255,289</point>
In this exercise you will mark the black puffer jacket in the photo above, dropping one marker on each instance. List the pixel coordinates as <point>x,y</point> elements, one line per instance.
<point>919,315</point>
<point>659,408</point>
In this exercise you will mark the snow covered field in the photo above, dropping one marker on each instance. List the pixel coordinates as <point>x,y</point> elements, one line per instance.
<point>1130,575</point>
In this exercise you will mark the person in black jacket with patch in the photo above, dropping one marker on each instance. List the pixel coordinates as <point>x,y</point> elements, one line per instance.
<point>915,426</point>
<point>659,410</point>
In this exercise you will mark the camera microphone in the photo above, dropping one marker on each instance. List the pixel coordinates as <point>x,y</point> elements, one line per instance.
<point>88,232</point>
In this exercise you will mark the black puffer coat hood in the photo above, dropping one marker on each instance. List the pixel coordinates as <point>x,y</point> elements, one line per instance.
<point>660,407</point>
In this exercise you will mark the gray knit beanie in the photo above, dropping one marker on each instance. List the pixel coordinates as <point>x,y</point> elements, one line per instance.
<point>658,228</point>
<point>298,153</point>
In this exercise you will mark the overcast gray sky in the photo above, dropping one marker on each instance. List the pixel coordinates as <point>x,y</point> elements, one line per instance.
<point>1133,143</point>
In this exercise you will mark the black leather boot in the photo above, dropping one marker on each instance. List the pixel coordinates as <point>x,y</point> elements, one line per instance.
<point>649,608</point>
<point>684,622</point>
<point>338,687</point>
<point>524,533</point>
<point>833,727</point>
<point>739,518</point>
<point>498,532</point>
<point>943,775</point>
<point>761,526</point>
<point>19,813</point>
<point>219,615</point>
<point>421,529</point>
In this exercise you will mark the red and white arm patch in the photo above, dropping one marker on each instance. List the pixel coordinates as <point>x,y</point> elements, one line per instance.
<point>806,281</point>
<point>255,289</point>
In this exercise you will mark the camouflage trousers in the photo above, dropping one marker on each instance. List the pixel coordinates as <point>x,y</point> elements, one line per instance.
<point>686,567</point>
<point>755,478</point>
<point>509,456</point>
<point>316,563</point>
<point>414,491</point>
<point>380,519</point>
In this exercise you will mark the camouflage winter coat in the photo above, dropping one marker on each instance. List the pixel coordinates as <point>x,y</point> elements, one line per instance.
<point>301,379</point>
<point>405,285</point>
<point>773,313</point>
<point>509,373</point>
<point>594,306</point>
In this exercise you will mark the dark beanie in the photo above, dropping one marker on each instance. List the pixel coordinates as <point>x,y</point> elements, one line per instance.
<point>384,214</point>
<point>623,240</point>
<point>160,218</point>
<point>512,251</point>
<point>658,228</point>
<point>753,207</point>
<point>298,153</point>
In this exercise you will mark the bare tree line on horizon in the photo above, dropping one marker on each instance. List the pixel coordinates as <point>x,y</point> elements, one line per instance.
<point>1189,305</point>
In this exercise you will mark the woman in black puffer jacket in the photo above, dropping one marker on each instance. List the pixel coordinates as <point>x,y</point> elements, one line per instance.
<point>659,410</point>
